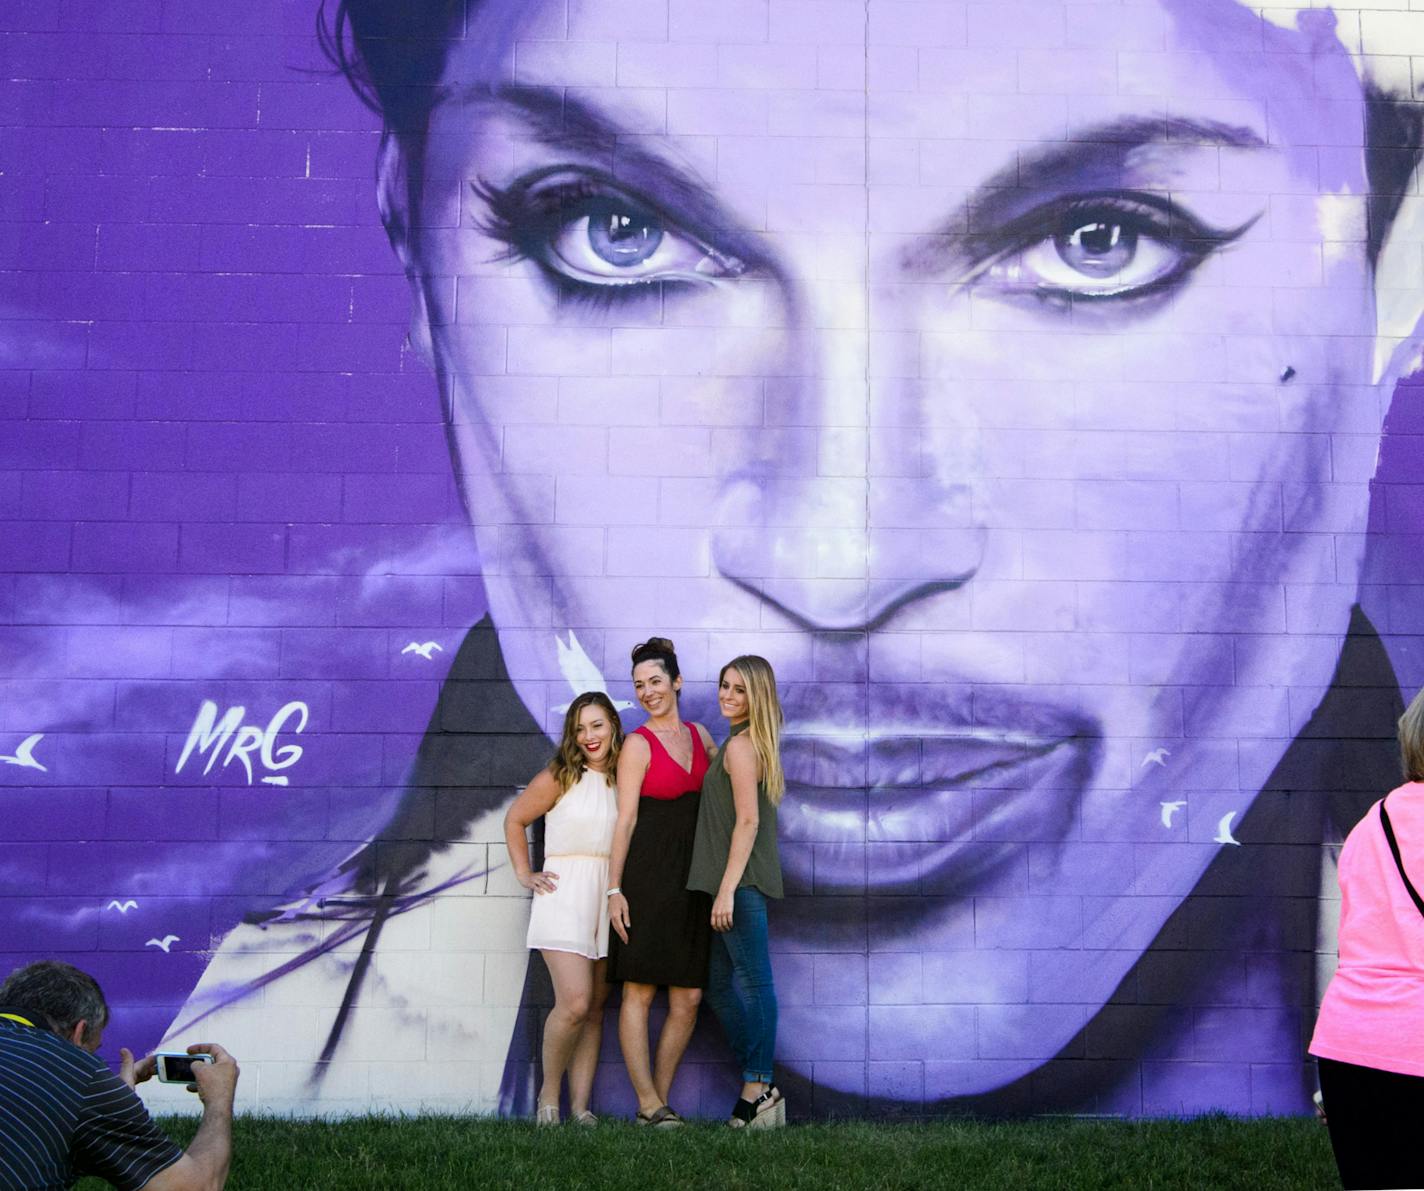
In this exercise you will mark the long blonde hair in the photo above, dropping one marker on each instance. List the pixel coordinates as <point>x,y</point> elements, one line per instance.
<point>764,719</point>
<point>569,762</point>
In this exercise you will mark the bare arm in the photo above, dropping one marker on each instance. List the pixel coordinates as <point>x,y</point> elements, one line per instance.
<point>537,799</point>
<point>708,743</point>
<point>633,764</point>
<point>745,770</point>
<point>204,1165</point>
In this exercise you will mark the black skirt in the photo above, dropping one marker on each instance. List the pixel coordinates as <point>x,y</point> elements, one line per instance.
<point>670,926</point>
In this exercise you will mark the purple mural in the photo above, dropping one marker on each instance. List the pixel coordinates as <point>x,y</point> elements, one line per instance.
<point>1030,382</point>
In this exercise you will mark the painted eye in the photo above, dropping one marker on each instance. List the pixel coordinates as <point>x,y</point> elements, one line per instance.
<point>1095,258</point>
<point>1119,245</point>
<point>595,241</point>
<point>604,240</point>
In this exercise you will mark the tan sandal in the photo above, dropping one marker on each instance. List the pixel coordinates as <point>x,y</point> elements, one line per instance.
<point>547,1114</point>
<point>585,1118</point>
<point>661,1117</point>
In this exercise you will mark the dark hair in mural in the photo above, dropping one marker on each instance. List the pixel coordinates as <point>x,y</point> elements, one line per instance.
<point>1394,141</point>
<point>391,52</point>
<point>660,650</point>
<point>60,992</point>
<point>392,55</point>
<point>569,762</point>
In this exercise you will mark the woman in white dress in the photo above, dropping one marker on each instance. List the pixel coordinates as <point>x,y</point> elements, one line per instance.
<point>576,795</point>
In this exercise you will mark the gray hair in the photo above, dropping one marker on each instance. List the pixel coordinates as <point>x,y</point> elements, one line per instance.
<point>1411,739</point>
<point>62,993</point>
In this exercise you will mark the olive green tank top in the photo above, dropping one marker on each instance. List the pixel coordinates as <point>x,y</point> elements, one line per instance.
<point>716,816</point>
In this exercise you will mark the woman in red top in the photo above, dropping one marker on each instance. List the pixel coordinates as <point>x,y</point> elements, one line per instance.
<point>1369,1037</point>
<point>662,929</point>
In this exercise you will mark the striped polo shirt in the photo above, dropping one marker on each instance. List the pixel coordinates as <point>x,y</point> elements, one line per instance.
<point>63,1114</point>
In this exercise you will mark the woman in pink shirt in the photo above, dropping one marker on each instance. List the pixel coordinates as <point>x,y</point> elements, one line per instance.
<point>1369,1038</point>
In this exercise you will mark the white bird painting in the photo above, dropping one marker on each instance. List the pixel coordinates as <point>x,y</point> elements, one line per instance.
<point>1169,809</point>
<point>580,672</point>
<point>425,649</point>
<point>1223,830</point>
<point>24,756</point>
<point>123,907</point>
<point>164,943</point>
<point>1156,757</point>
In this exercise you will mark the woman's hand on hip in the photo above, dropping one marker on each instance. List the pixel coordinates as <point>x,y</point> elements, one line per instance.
<point>722,913</point>
<point>541,882</point>
<point>618,915</point>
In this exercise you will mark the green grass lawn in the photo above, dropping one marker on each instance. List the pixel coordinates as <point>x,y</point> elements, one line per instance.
<point>445,1152</point>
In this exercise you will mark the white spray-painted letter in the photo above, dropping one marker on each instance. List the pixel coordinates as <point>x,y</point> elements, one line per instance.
<point>208,732</point>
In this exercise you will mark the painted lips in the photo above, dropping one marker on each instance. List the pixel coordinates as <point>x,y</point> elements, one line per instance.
<point>904,813</point>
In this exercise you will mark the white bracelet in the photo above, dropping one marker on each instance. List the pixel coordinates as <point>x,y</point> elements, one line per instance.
<point>612,891</point>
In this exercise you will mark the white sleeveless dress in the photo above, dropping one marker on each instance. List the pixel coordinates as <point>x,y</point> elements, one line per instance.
<point>578,835</point>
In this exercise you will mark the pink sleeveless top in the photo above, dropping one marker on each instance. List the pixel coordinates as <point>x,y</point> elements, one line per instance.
<point>666,779</point>
<point>1373,1012</point>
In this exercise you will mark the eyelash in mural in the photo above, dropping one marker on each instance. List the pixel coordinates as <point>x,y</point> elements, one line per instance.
<point>595,242</point>
<point>1116,246</point>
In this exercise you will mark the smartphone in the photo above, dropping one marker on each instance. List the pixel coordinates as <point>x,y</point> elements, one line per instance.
<point>175,1067</point>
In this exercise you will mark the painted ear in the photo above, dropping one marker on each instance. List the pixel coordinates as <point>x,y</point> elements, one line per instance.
<point>393,199</point>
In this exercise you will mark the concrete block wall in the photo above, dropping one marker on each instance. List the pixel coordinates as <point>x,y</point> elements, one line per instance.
<point>1032,383</point>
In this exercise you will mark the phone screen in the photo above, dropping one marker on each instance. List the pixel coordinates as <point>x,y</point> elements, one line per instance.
<point>179,1068</point>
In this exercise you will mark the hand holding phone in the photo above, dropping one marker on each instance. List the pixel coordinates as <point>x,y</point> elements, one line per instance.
<point>177,1066</point>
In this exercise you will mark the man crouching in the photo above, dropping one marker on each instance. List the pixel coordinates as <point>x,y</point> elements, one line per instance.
<point>63,1113</point>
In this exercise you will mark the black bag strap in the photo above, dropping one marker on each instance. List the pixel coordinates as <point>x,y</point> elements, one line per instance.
<point>1399,864</point>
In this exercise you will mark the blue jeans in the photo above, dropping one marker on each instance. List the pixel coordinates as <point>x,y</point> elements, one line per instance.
<point>739,986</point>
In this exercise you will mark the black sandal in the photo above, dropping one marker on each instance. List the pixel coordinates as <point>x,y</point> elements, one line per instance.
<point>765,1112</point>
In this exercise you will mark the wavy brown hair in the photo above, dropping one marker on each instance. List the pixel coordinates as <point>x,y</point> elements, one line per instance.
<point>568,763</point>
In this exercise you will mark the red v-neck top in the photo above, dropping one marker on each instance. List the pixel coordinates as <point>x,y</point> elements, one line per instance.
<point>666,779</point>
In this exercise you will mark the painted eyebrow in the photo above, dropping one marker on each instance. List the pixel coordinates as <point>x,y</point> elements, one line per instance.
<point>1093,159</point>
<point>568,123</point>
<point>1107,144</point>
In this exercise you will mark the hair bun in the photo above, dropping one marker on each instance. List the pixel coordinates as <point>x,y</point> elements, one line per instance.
<point>660,650</point>
<point>654,645</point>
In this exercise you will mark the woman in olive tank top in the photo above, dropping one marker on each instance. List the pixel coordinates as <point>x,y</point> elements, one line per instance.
<point>734,859</point>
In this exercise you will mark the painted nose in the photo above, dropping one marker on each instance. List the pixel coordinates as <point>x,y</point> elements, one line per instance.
<point>856,500</point>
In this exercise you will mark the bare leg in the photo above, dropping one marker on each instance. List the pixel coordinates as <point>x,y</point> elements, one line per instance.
<point>573,996</point>
<point>585,1057</point>
<point>677,1033</point>
<point>633,1038</point>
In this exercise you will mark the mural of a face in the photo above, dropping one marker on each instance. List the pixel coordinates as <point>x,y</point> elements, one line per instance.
<point>1017,405</point>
